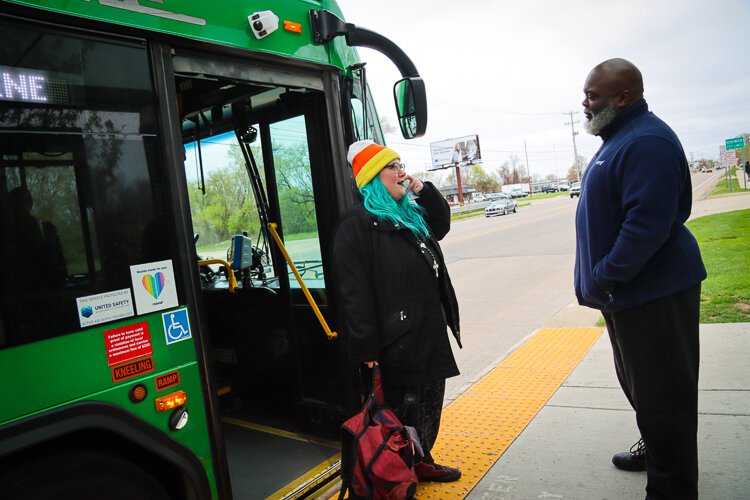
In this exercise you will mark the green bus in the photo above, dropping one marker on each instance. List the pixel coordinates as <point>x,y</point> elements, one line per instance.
<point>146,148</point>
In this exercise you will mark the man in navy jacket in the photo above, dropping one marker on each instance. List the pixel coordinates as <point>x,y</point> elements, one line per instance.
<point>638,263</point>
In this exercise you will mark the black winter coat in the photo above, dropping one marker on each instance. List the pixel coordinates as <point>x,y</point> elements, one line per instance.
<point>393,308</point>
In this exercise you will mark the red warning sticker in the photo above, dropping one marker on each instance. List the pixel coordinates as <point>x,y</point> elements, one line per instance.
<point>132,369</point>
<point>127,342</point>
<point>167,380</point>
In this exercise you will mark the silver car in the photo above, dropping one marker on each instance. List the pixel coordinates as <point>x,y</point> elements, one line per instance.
<point>500,207</point>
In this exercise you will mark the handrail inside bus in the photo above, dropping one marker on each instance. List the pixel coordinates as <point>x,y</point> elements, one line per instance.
<point>331,335</point>
<point>227,266</point>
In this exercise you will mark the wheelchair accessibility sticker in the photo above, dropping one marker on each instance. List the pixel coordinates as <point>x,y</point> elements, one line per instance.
<point>176,326</point>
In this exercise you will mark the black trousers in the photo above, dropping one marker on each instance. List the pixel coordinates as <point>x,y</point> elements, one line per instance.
<point>420,407</point>
<point>656,353</point>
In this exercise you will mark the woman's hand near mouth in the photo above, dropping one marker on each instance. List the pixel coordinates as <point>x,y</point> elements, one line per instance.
<point>415,185</point>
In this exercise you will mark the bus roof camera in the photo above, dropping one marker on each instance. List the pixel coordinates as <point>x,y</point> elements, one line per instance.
<point>263,23</point>
<point>249,135</point>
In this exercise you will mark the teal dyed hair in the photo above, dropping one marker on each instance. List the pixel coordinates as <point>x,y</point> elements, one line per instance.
<point>403,212</point>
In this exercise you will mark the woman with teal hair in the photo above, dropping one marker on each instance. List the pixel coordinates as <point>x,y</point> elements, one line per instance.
<point>396,297</point>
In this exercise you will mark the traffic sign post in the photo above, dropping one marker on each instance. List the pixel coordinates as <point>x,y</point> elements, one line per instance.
<point>738,143</point>
<point>732,145</point>
<point>728,159</point>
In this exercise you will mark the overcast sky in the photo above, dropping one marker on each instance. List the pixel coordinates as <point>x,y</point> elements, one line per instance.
<point>508,71</point>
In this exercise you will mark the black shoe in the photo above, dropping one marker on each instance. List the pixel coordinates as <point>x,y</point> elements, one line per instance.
<point>436,472</point>
<point>633,460</point>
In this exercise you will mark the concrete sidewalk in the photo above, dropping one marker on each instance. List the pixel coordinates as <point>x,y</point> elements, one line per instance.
<point>565,452</point>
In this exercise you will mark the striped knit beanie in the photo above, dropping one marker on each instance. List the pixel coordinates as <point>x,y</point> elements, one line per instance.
<point>368,159</point>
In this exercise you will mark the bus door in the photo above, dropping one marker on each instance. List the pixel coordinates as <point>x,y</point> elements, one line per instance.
<point>256,148</point>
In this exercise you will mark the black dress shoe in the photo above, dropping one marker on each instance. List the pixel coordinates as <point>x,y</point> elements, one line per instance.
<point>633,460</point>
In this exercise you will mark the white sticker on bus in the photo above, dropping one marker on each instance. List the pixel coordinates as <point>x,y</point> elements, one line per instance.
<point>109,306</point>
<point>153,286</point>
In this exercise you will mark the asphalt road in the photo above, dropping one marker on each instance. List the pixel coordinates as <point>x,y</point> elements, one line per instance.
<point>512,273</point>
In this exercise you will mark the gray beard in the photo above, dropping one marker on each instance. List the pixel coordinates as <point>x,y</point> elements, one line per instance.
<point>600,120</point>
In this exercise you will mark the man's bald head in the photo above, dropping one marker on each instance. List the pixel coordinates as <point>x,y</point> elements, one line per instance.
<point>625,74</point>
<point>619,75</point>
<point>610,87</point>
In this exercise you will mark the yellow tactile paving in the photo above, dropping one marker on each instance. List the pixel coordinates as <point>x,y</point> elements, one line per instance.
<point>480,425</point>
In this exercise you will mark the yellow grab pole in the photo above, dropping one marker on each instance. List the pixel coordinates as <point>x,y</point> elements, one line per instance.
<point>331,335</point>
<point>227,266</point>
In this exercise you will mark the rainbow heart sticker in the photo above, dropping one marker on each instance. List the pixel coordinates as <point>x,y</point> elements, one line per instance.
<point>154,283</point>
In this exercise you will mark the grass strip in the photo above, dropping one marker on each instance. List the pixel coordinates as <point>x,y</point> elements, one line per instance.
<point>723,188</point>
<point>724,240</point>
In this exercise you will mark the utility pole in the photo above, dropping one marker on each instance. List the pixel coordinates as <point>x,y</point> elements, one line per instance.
<point>575,151</point>
<point>459,187</point>
<point>528,169</point>
<point>554,150</point>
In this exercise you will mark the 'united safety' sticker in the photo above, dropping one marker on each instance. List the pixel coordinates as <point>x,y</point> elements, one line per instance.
<point>109,306</point>
<point>176,326</point>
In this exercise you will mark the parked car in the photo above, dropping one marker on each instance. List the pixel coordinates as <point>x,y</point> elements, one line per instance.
<point>497,196</point>
<point>549,189</point>
<point>500,207</point>
<point>564,187</point>
<point>518,193</point>
<point>478,197</point>
<point>575,189</point>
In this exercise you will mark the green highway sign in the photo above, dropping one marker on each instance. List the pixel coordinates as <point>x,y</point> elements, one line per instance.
<point>736,143</point>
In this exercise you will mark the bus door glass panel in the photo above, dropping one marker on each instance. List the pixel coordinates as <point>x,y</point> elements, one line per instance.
<point>78,147</point>
<point>291,157</point>
<point>223,204</point>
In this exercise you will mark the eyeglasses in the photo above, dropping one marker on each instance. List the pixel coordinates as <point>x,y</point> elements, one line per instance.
<point>396,166</point>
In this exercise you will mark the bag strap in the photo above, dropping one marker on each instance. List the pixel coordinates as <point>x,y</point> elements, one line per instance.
<point>377,387</point>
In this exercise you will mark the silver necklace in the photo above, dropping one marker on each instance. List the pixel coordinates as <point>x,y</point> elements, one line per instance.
<point>423,247</point>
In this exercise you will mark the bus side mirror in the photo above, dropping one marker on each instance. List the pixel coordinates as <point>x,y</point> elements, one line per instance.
<point>411,106</point>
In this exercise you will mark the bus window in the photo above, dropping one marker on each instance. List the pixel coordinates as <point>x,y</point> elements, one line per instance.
<point>370,130</point>
<point>238,187</point>
<point>222,204</point>
<point>77,146</point>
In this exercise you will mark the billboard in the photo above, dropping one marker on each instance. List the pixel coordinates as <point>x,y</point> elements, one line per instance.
<point>452,152</point>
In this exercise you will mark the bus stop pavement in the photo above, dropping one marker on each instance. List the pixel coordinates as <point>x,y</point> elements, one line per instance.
<point>566,450</point>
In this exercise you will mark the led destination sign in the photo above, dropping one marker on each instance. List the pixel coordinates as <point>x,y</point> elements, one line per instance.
<point>23,85</point>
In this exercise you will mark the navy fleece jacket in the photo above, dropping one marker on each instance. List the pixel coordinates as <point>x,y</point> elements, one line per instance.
<point>632,246</point>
